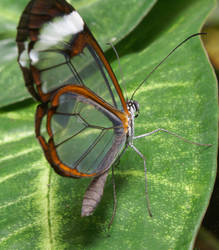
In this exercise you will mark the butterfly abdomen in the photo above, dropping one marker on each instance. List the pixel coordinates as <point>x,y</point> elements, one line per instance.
<point>93,194</point>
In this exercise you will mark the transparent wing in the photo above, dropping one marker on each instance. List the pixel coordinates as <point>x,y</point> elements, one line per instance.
<point>56,49</point>
<point>85,135</point>
<point>84,69</point>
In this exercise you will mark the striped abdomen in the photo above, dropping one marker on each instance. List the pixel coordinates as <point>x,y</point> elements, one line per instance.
<point>93,194</point>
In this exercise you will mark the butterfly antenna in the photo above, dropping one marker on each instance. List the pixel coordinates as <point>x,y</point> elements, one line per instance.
<point>146,78</point>
<point>120,69</point>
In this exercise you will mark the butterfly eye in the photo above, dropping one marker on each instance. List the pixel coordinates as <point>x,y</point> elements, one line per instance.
<point>136,105</point>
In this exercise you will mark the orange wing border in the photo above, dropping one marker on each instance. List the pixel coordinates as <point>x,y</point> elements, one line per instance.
<point>49,147</point>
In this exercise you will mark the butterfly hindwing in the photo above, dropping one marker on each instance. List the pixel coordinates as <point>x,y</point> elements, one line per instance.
<point>85,135</point>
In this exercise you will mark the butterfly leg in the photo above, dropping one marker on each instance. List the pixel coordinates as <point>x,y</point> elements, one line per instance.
<point>171,133</point>
<point>114,199</point>
<point>114,186</point>
<point>145,172</point>
<point>121,154</point>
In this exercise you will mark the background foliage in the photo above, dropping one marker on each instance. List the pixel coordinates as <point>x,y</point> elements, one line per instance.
<point>41,210</point>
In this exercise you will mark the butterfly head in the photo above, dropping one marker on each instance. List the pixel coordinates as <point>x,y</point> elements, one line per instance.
<point>133,107</point>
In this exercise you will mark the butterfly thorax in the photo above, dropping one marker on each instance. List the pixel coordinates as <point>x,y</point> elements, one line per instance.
<point>133,108</point>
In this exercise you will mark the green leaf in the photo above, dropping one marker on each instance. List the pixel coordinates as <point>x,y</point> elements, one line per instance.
<point>99,15</point>
<point>41,210</point>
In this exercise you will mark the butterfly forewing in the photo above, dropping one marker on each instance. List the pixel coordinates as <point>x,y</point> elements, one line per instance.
<point>83,69</point>
<point>57,49</point>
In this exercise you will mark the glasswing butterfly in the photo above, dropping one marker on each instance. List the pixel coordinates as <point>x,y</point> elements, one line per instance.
<point>88,121</point>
